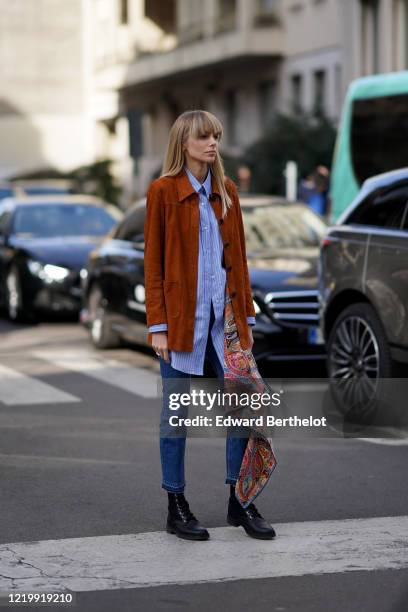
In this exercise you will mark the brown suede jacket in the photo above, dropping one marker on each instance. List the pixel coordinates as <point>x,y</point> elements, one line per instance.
<point>171,258</point>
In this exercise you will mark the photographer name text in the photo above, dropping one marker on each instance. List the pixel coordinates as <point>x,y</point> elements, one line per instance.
<point>259,421</point>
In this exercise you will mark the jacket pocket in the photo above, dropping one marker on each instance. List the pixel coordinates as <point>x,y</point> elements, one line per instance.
<point>172,297</point>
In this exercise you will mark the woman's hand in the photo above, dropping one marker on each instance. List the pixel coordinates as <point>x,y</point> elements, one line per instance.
<point>251,338</point>
<point>160,346</point>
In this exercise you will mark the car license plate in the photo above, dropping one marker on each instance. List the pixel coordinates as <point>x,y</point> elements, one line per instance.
<point>314,336</point>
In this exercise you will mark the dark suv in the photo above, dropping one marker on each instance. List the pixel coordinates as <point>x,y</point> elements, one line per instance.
<point>364,283</point>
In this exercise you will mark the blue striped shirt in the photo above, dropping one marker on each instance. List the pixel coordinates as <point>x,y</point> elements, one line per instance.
<point>211,279</point>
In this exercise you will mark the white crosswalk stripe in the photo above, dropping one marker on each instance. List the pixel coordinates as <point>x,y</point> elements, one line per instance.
<point>387,441</point>
<point>19,389</point>
<point>133,380</point>
<point>156,558</point>
<point>20,385</point>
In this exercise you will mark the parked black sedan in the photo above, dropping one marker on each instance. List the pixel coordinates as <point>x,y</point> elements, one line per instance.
<point>283,242</point>
<point>44,244</point>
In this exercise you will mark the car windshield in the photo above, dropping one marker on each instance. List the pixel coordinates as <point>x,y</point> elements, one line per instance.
<point>281,226</point>
<point>58,220</point>
<point>5,192</point>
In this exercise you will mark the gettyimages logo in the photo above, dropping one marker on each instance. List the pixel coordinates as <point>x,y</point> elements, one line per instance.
<point>208,401</point>
<point>295,408</point>
<point>209,412</point>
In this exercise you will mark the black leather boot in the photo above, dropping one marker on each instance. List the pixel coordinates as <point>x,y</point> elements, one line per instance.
<point>181,521</point>
<point>248,518</point>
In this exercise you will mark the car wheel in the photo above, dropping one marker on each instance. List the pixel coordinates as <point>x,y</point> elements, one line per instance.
<point>358,356</point>
<point>14,295</point>
<point>102,334</point>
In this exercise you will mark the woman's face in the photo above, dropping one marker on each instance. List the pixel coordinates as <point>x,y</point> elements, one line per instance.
<point>202,149</point>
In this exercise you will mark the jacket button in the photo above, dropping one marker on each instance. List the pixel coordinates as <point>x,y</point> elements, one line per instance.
<point>221,221</point>
<point>212,197</point>
<point>226,244</point>
<point>233,294</point>
<point>229,268</point>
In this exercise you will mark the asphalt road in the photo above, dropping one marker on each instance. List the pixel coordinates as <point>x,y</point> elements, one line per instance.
<point>80,465</point>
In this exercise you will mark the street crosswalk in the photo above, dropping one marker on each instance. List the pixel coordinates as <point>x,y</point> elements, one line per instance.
<point>17,388</point>
<point>22,388</point>
<point>22,381</point>
<point>157,558</point>
<point>134,380</point>
<point>128,561</point>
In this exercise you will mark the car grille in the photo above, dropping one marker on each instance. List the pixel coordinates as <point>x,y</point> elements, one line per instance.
<point>75,283</point>
<point>294,308</point>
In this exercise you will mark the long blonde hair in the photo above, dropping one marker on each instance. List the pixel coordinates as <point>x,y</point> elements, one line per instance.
<point>195,123</point>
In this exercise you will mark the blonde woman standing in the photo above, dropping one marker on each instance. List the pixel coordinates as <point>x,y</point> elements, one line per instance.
<point>199,306</point>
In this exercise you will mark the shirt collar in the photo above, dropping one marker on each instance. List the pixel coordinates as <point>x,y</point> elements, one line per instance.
<point>196,184</point>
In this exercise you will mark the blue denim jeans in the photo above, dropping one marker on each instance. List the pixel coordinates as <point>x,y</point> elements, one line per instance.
<point>172,449</point>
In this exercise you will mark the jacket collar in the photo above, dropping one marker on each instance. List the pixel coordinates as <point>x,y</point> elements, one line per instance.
<point>196,183</point>
<point>185,188</point>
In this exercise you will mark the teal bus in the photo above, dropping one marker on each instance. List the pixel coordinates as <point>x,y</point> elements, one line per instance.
<point>372,137</point>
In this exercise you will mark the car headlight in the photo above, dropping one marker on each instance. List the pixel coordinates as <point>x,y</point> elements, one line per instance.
<point>256,307</point>
<point>47,272</point>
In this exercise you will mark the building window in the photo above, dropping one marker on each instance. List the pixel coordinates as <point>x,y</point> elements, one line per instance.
<point>135,117</point>
<point>267,12</point>
<point>124,11</point>
<point>267,100</point>
<point>369,36</point>
<point>400,34</point>
<point>191,25</point>
<point>227,15</point>
<point>232,116</point>
<point>163,14</point>
<point>319,106</point>
<point>297,93</point>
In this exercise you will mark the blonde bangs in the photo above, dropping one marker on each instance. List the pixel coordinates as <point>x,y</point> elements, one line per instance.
<point>204,123</point>
<point>195,123</point>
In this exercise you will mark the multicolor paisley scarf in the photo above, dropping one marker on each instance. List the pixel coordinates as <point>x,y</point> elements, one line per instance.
<point>240,370</point>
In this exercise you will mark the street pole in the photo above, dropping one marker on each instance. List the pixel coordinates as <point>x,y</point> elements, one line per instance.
<point>291,173</point>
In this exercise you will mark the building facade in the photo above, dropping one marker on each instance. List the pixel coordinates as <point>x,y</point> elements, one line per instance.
<point>45,85</point>
<point>224,56</point>
<point>94,79</point>
<point>242,60</point>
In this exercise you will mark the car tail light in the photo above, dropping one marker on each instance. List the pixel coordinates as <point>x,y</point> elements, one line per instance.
<point>326,240</point>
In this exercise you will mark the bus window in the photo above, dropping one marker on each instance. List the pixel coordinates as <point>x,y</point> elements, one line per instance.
<point>371,137</point>
<point>379,131</point>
